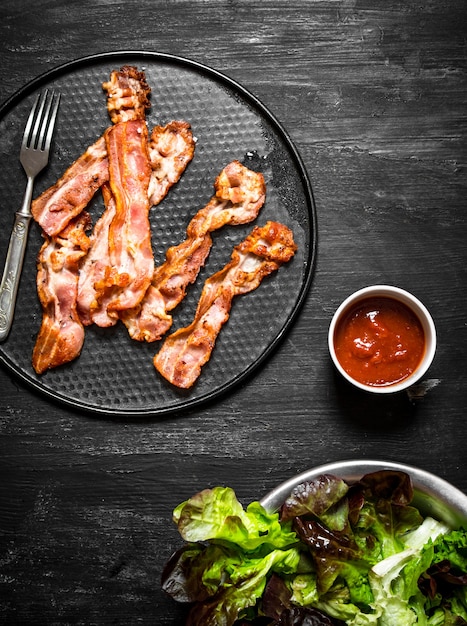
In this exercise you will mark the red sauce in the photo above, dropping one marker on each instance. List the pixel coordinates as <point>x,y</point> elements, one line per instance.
<point>379,341</point>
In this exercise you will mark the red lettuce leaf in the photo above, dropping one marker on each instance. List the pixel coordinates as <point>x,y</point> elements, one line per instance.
<point>276,597</point>
<point>315,497</point>
<point>439,576</point>
<point>390,485</point>
<point>298,616</point>
<point>182,578</point>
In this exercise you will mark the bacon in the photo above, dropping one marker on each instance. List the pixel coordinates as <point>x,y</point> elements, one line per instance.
<point>239,196</point>
<point>127,99</point>
<point>185,351</point>
<point>61,335</point>
<point>92,270</point>
<point>127,94</point>
<point>151,320</point>
<point>64,200</point>
<point>171,148</point>
<point>130,264</point>
<point>120,267</point>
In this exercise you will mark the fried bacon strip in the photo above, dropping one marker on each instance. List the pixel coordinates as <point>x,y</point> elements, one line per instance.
<point>61,335</point>
<point>239,196</point>
<point>64,200</point>
<point>171,148</point>
<point>185,351</point>
<point>127,94</point>
<point>130,263</point>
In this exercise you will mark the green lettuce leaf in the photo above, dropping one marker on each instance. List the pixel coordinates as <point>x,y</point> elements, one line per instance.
<point>453,548</point>
<point>444,583</point>
<point>216,514</point>
<point>240,583</point>
<point>394,580</point>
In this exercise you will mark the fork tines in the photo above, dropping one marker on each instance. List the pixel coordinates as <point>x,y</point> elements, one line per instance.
<point>39,127</point>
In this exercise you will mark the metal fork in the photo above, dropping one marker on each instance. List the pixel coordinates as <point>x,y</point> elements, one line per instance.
<point>34,156</point>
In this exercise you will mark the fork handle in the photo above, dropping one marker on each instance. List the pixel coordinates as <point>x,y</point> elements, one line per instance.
<point>12,272</point>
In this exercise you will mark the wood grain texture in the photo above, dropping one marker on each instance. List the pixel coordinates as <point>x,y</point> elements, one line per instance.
<point>373,94</point>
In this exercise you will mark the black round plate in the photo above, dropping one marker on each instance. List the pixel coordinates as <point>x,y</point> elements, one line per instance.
<point>114,374</point>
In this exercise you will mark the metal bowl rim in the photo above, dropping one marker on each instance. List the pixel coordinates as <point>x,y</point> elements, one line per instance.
<point>424,482</point>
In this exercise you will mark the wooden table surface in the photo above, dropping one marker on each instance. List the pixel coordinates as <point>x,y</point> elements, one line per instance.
<point>373,95</point>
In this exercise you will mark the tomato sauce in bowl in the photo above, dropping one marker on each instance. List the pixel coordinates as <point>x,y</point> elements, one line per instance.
<point>382,339</point>
<point>379,341</point>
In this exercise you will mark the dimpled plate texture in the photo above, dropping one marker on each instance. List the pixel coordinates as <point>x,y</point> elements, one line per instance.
<point>114,374</point>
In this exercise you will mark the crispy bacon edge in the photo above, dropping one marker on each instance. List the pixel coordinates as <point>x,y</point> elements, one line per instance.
<point>127,94</point>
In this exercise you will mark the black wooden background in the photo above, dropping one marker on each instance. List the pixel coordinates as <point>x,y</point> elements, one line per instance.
<point>373,94</point>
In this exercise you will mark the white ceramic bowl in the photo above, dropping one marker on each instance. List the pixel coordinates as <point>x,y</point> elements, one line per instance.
<point>433,496</point>
<point>420,311</point>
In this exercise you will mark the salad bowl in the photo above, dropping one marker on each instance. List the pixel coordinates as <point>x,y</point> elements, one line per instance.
<point>355,542</point>
<point>433,495</point>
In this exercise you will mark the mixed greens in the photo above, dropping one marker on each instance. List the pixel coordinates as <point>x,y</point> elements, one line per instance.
<point>358,554</point>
